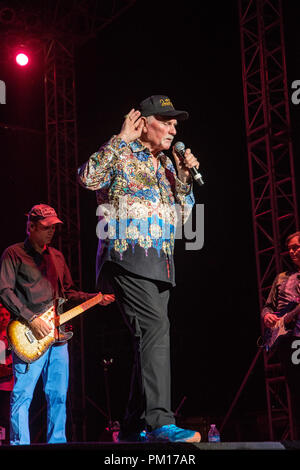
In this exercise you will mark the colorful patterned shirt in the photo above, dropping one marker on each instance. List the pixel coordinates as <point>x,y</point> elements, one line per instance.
<point>138,208</point>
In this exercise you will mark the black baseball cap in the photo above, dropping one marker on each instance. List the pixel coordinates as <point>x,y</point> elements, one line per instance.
<point>162,106</point>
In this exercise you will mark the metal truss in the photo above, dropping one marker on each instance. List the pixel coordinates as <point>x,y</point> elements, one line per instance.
<point>63,194</point>
<point>61,147</point>
<point>271,169</point>
<point>76,19</point>
<point>56,27</point>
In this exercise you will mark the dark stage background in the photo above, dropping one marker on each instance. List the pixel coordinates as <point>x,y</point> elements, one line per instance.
<point>191,52</point>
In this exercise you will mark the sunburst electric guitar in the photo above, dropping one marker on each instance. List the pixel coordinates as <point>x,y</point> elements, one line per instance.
<point>27,347</point>
<point>281,327</point>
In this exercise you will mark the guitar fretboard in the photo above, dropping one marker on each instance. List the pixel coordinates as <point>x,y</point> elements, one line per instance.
<point>79,309</point>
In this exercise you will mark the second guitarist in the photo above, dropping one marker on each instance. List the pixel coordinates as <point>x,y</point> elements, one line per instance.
<point>32,276</point>
<point>284,296</point>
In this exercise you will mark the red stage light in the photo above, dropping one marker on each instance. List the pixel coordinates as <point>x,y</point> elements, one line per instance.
<point>22,59</point>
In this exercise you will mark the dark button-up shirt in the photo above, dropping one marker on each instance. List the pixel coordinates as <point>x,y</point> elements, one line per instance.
<point>138,207</point>
<point>29,280</point>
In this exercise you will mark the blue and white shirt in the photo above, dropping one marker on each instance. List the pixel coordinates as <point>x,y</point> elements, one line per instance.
<point>138,207</point>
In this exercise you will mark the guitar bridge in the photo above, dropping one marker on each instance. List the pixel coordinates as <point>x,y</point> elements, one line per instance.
<point>29,335</point>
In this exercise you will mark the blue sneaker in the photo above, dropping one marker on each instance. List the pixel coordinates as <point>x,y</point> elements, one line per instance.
<point>171,433</point>
<point>133,437</point>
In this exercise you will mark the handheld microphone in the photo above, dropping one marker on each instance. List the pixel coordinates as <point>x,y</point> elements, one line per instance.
<point>196,175</point>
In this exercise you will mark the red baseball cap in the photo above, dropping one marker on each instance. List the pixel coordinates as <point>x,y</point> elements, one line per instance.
<point>45,214</point>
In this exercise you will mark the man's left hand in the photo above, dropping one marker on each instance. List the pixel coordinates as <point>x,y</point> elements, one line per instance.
<point>107,299</point>
<point>183,165</point>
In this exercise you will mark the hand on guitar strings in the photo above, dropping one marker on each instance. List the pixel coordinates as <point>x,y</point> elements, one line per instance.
<point>270,320</point>
<point>39,328</point>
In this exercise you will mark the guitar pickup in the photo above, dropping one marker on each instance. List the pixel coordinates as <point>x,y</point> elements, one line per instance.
<point>29,335</point>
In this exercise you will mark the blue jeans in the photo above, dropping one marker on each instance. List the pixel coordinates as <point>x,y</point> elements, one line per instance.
<point>54,368</point>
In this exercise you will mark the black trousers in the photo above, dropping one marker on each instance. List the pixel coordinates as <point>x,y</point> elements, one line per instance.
<point>144,307</point>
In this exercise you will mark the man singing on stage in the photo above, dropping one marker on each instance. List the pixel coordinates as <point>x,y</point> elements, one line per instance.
<point>140,195</point>
<point>32,276</point>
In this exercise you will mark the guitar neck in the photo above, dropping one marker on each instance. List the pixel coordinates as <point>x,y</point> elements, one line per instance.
<point>63,318</point>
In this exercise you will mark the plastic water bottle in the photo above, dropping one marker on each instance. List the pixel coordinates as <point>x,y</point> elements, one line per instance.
<point>213,434</point>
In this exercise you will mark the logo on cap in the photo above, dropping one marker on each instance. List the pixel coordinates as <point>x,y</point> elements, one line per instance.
<point>46,214</point>
<point>166,102</point>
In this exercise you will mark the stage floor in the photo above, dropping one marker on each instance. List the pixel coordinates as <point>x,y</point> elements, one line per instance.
<point>161,448</point>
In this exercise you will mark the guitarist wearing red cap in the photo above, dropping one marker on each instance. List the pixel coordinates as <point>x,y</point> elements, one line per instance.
<point>32,276</point>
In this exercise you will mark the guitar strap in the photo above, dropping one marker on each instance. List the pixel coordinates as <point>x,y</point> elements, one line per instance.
<point>58,274</point>
<point>60,299</point>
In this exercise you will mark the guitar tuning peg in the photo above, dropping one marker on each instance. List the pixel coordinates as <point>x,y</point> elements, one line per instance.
<point>68,327</point>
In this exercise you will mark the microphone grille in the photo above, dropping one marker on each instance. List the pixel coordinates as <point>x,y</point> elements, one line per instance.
<point>179,146</point>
